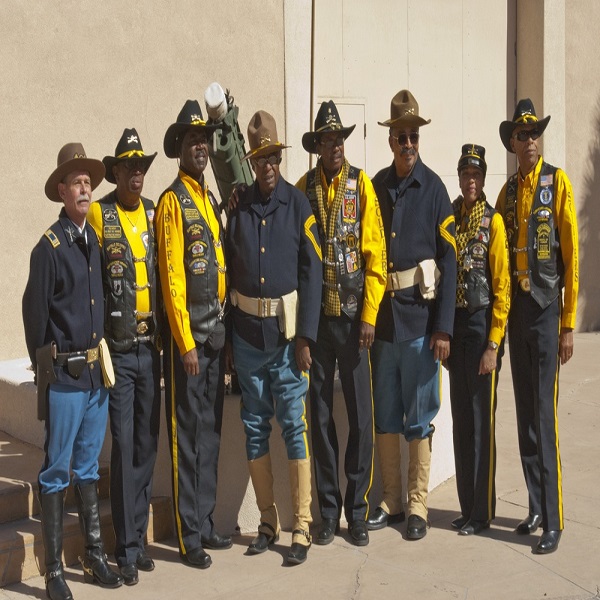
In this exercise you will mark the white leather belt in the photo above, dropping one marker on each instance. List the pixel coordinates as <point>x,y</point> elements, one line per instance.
<point>400,280</point>
<point>258,307</point>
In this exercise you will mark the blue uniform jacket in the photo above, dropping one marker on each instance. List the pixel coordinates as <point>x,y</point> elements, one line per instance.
<point>419,224</point>
<point>272,249</point>
<point>63,300</point>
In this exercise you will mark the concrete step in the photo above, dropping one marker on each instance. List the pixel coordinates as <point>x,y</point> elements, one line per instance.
<point>20,463</point>
<point>22,549</point>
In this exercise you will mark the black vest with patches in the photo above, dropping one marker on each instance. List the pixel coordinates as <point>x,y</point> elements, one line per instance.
<point>119,278</point>
<point>349,260</point>
<point>200,261</point>
<point>544,258</point>
<point>476,269</point>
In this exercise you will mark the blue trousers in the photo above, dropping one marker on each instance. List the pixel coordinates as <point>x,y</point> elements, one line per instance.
<point>272,385</point>
<point>75,430</point>
<point>134,410</point>
<point>406,386</point>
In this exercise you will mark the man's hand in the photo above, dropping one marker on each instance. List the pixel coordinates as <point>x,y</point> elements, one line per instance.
<point>303,358</point>
<point>235,196</point>
<point>366,335</point>
<point>488,361</point>
<point>440,344</point>
<point>190,362</point>
<point>565,345</point>
<point>228,350</point>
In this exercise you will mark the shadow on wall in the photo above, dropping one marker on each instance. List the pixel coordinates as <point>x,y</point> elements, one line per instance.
<point>589,235</point>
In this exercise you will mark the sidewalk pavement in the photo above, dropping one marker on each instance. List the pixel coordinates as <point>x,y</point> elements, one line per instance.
<point>496,564</point>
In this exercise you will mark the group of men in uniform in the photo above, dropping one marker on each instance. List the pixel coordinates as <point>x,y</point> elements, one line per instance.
<point>385,279</point>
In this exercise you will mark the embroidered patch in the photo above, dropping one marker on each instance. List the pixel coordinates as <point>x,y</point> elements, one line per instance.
<point>546,180</point>
<point>195,231</point>
<point>185,200</point>
<point>546,196</point>
<point>349,210</point>
<point>109,214</point>
<point>191,214</point>
<point>52,238</point>
<point>542,241</point>
<point>350,184</point>
<point>112,232</point>
<point>116,250</point>
<point>116,268</point>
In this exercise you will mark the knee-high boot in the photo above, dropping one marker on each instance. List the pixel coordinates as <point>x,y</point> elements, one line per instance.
<point>262,482</point>
<point>52,534</point>
<point>419,466</point>
<point>300,484</point>
<point>95,567</point>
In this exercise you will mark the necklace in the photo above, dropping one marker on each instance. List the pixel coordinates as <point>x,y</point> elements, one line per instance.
<point>133,225</point>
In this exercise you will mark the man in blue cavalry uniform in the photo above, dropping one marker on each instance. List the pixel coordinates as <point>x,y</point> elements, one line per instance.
<point>191,264</point>
<point>63,315</point>
<point>274,259</point>
<point>415,318</point>
<point>347,213</point>
<point>123,222</point>
<point>482,303</point>
<point>541,224</point>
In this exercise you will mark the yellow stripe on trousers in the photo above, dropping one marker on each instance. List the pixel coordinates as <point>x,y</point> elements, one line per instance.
<point>558,465</point>
<point>366,496</point>
<point>305,434</point>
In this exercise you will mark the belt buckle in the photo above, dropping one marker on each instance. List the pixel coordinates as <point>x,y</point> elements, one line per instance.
<point>525,285</point>
<point>92,354</point>
<point>142,327</point>
<point>264,307</point>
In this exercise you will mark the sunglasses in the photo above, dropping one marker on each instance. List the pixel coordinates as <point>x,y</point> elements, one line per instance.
<point>134,164</point>
<point>330,143</point>
<point>525,134</point>
<point>272,159</point>
<point>403,138</point>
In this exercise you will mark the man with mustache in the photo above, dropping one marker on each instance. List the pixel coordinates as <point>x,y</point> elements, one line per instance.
<point>541,224</point>
<point>191,263</point>
<point>347,213</point>
<point>123,222</point>
<point>63,315</point>
<point>415,318</point>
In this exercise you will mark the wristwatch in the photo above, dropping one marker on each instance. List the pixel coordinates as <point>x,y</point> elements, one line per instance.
<point>493,346</point>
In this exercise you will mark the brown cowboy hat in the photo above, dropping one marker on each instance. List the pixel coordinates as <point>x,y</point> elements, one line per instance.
<point>262,135</point>
<point>129,146</point>
<point>524,115</point>
<point>404,112</point>
<point>327,120</point>
<point>189,117</point>
<point>72,157</point>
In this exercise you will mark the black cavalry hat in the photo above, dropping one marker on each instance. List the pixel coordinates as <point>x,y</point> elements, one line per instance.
<point>189,117</point>
<point>524,115</point>
<point>327,120</point>
<point>129,146</point>
<point>472,155</point>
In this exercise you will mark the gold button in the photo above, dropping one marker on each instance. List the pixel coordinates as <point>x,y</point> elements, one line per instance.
<point>263,222</point>
<point>392,294</point>
<point>90,269</point>
<point>262,279</point>
<point>93,302</point>
<point>393,234</point>
<point>93,336</point>
<point>391,265</point>
<point>262,249</point>
<point>91,365</point>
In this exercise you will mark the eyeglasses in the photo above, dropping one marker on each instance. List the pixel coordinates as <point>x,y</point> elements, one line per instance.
<point>403,138</point>
<point>272,159</point>
<point>525,134</point>
<point>134,164</point>
<point>330,143</point>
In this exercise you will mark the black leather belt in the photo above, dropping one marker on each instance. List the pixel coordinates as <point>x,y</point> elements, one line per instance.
<point>90,355</point>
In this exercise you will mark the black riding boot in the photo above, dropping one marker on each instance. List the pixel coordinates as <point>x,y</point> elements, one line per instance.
<point>52,534</point>
<point>95,567</point>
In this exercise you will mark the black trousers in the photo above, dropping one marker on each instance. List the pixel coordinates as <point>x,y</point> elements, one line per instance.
<point>473,403</point>
<point>337,340</point>
<point>134,411</point>
<point>533,342</point>
<point>194,411</point>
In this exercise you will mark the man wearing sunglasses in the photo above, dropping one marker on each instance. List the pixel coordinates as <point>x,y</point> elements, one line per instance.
<point>541,224</point>
<point>415,318</point>
<point>347,212</point>
<point>274,258</point>
<point>123,223</point>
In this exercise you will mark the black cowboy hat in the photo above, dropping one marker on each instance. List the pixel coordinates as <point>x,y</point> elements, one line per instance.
<point>472,155</point>
<point>72,157</point>
<point>129,146</point>
<point>524,115</point>
<point>189,117</point>
<point>327,120</point>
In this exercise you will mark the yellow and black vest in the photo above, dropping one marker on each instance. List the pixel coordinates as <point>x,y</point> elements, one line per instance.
<point>544,258</point>
<point>349,261</point>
